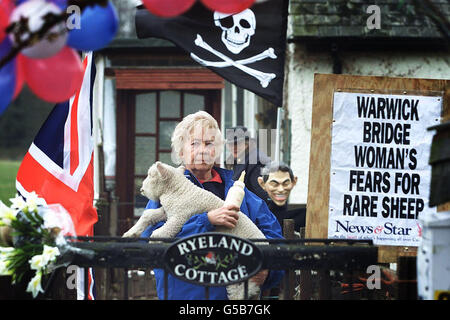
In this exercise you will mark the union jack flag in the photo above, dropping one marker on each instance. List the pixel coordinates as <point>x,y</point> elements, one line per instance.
<point>59,163</point>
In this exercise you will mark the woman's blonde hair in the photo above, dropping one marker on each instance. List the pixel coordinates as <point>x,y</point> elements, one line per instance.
<point>183,131</point>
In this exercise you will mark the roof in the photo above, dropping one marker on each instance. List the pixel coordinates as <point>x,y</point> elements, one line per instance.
<point>320,20</point>
<point>348,18</point>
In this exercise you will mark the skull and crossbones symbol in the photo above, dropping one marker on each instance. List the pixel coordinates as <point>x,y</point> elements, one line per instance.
<point>237,31</point>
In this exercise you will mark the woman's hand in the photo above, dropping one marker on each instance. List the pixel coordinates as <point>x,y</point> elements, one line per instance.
<point>226,216</point>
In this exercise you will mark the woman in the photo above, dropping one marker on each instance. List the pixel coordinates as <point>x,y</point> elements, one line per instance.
<point>197,144</point>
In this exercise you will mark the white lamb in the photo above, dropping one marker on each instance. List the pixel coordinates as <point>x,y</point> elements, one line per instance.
<point>180,199</point>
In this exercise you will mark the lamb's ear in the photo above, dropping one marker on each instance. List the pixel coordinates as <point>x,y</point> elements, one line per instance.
<point>163,172</point>
<point>181,169</point>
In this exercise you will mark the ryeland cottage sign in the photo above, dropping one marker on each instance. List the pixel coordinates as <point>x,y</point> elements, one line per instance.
<point>213,259</point>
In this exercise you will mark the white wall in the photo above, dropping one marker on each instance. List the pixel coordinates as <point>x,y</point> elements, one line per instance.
<point>300,78</point>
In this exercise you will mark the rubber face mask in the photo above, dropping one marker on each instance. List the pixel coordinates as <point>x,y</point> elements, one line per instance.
<point>278,186</point>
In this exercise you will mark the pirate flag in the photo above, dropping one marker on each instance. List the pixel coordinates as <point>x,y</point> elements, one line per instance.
<point>246,48</point>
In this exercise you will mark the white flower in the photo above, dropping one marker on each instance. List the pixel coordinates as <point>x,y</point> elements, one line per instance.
<point>5,251</point>
<point>6,214</point>
<point>18,203</point>
<point>38,262</point>
<point>34,286</point>
<point>4,261</point>
<point>50,253</point>
<point>4,268</point>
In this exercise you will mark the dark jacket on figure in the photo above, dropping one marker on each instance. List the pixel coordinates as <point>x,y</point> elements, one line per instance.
<point>282,213</point>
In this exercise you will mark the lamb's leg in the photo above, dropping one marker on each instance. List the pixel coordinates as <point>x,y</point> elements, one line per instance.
<point>149,217</point>
<point>170,229</point>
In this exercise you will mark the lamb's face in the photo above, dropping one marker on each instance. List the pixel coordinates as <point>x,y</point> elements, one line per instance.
<point>157,181</point>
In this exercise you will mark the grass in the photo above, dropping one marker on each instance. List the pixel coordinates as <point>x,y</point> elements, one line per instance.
<point>8,172</point>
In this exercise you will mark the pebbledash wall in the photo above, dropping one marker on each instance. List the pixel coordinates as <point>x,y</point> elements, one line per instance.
<point>302,65</point>
<point>332,37</point>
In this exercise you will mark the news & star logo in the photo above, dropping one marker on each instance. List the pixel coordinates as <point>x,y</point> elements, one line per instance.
<point>387,229</point>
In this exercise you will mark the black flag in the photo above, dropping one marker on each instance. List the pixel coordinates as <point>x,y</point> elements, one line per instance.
<point>247,48</point>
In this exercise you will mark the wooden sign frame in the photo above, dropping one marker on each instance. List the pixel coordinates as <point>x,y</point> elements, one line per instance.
<point>320,153</point>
